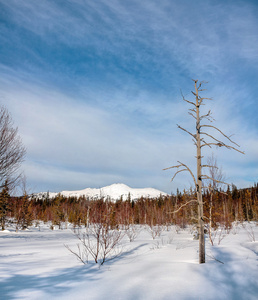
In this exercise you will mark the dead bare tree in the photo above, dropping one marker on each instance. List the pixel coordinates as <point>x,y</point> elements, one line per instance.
<point>200,142</point>
<point>12,151</point>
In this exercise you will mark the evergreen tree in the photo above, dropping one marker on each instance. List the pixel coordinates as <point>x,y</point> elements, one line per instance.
<point>4,205</point>
<point>24,216</point>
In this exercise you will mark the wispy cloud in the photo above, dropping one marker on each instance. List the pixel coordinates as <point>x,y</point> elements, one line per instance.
<point>142,37</point>
<point>95,85</point>
<point>76,137</point>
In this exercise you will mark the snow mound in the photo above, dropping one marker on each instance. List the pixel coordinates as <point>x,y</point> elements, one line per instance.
<point>113,192</point>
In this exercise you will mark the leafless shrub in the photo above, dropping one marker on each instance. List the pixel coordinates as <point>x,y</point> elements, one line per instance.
<point>250,231</point>
<point>98,241</point>
<point>167,227</point>
<point>132,232</point>
<point>155,245</point>
<point>221,235</point>
<point>235,228</point>
<point>228,229</point>
<point>170,238</point>
<point>177,229</point>
<point>155,231</point>
<point>217,233</point>
<point>192,229</point>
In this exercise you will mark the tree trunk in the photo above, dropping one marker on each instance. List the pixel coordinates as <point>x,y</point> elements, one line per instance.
<point>199,184</point>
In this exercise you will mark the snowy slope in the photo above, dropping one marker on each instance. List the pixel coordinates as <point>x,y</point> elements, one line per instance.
<point>35,265</point>
<point>114,192</point>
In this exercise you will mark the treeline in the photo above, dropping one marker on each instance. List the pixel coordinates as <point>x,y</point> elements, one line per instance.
<point>219,208</point>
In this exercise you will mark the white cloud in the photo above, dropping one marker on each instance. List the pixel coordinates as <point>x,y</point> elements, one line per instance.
<point>117,128</point>
<point>75,137</point>
<point>73,143</point>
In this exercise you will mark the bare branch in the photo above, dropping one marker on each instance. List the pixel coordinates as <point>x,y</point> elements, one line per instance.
<point>207,116</point>
<point>222,145</point>
<point>208,166</point>
<point>192,115</point>
<point>205,99</point>
<point>172,167</point>
<point>192,109</point>
<point>186,169</point>
<point>202,140</point>
<point>186,99</point>
<point>212,137</point>
<point>203,82</point>
<point>189,172</point>
<point>193,135</point>
<point>206,218</point>
<point>183,205</point>
<point>78,255</point>
<point>216,190</point>
<point>194,141</point>
<point>221,133</point>
<point>177,173</point>
<point>218,181</point>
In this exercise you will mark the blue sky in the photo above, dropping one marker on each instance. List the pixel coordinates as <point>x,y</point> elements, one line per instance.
<point>94,87</point>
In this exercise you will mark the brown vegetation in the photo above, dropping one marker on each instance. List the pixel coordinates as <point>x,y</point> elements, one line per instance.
<point>227,207</point>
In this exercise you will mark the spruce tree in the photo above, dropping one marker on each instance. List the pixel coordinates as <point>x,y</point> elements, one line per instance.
<point>4,205</point>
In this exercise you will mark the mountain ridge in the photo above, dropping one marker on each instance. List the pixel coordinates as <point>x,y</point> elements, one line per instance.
<point>113,192</point>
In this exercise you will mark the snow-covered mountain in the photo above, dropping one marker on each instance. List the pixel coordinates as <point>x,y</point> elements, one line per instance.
<point>114,192</point>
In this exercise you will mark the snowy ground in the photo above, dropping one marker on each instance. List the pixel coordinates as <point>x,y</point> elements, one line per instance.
<point>34,264</point>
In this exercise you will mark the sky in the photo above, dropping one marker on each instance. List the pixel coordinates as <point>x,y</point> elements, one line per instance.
<point>95,88</point>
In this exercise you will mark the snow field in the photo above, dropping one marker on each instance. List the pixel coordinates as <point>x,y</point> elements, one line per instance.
<point>36,265</point>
